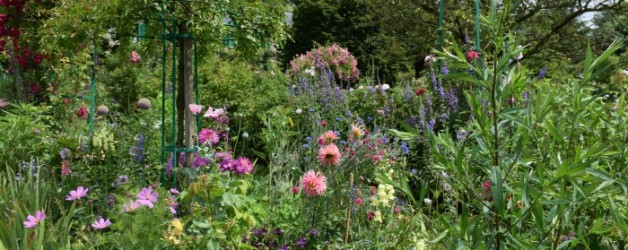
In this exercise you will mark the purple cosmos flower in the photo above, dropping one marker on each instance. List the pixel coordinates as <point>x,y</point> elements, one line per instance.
<point>77,194</point>
<point>32,221</point>
<point>101,223</point>
<point>174,191</point>
<point>147,197</point>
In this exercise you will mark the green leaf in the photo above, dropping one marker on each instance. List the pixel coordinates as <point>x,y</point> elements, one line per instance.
<point>439,237</point>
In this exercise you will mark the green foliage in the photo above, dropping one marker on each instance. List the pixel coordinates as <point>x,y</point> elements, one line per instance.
<point>21,194</point>
<point>25,134</point>
<point>545,177</point>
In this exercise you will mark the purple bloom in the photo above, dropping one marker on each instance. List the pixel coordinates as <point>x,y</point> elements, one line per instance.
<point>278,231</point>
<point>101,223</point>
<point>77,194</point>
<point>122,179</point>
<point>32,221</point>
<point>313,232</point>
<point>404,148</point>
<point>174,191</point>
<point>543,71</point>
<point>284,247</point>
<point>64,153</point>
<point>147,197</point>
<point>301,243</point>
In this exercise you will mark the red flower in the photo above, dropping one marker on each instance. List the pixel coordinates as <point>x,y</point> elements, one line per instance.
<point>82,112</point>
<point>38,59</point>
<point>323,123</point>
<point>472,55</point>
<point>371,215</point>
<point>420,92</point>
<point>66,100</point>
<point>295,190</point>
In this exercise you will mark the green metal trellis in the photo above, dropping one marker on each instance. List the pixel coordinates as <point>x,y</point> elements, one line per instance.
<point>441,18</point>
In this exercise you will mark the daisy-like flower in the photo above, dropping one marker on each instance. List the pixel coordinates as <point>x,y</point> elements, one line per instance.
<point>147,197</point>
<point>314,184</point>
<point>101,224</point>
<point>131,206</point>
<point>77,194</point>
<point>213,113</point>
<point>327,138</point>
<point>32,221</point>
<point>208,136</point>
<point>195,109</point>
<point>329,155</point>
<point>357,131</point>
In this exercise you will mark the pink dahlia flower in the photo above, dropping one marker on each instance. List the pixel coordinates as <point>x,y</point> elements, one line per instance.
<point>314,184</point>
<point>329,155</point>
<point>327,138</point>
<point>208,136</point>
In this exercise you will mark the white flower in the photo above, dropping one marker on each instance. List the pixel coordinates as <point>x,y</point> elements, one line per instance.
<point>351,89</point>
<point>299,111</point>
<point>311,71</point>
<point>245,135</point>
<point>385,87</point>
<point>444,174</point>
<point>625,72</point>
<point>427,201</point>
<point>430,59</point>
<point>361,87</point>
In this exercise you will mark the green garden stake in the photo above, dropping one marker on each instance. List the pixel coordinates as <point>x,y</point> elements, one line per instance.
<point>478,45</point>
<point>441,20</point>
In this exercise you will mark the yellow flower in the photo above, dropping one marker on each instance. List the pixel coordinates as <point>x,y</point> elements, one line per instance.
<point>374,201</point>
<point>177,225</point>
<point>357,131</point>
<point>378,216</point>
<point>291,122</point>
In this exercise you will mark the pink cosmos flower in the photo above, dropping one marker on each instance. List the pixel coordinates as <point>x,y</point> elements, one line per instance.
<point>329,155</point>
<point>135,57</point>
<point>208,136</point>
<point>77,194</point>
<point>213,113</point>
<point>195,109</point>
<point>101,224</point>
<point>147,197</point>
<point>314,184</point>
<point>131,206</point>
<point>32,221</point>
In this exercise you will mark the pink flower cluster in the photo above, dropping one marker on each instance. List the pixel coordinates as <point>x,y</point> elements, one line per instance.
<point>334,57</point>
<point>241,165</point>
